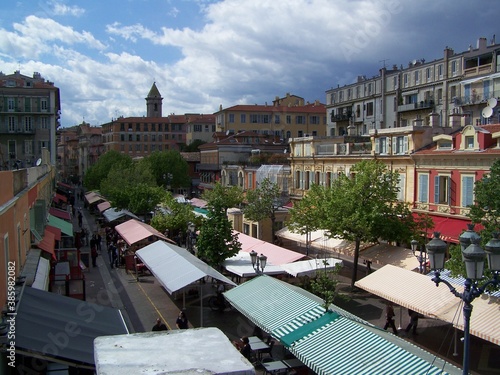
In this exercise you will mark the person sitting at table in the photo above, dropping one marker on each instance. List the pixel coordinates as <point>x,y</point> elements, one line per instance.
<point>246,349</point>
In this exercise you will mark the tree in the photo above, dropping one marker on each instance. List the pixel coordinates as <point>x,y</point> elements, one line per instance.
<point>216,241</point>
<point>100,170</point>
<point>132,187</point>
<point>169,169</point>
<point>263,203</point>
<point>486,208</point>
<point>324,284</point>
<point>362,208</point>
<point>301,219</point>
<point>176,218</point>
<point>193,146</point>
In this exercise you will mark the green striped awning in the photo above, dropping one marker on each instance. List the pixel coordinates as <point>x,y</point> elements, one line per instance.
<point>273,307</point>
<point>345,347</point>
<point>334,342</point>
<point>65,226</point>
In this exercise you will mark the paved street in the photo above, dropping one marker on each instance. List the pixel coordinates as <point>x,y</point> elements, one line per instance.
<point>143,299</point>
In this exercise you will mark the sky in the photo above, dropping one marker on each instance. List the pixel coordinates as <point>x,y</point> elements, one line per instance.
<point>104,55</point>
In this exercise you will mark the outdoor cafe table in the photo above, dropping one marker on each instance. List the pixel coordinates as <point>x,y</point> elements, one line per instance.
<point>257,344</point>
<point>274,366</point>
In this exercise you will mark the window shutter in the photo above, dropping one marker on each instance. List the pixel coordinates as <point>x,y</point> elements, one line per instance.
<point>449,190</point>
<point>405,144</point>
<point>436,189</point>
<point>377,146</point>
<point>394,145</point>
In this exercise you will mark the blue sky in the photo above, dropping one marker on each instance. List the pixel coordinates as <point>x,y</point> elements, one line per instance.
<point>104,55</point>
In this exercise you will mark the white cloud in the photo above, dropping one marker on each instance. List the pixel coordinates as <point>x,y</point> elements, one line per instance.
<point>60,9</point>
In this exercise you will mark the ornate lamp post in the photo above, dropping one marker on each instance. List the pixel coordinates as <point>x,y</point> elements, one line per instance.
<point>473,256</point>
<point>422,256</point>
<point>258,262</point>
<point>191,238</point>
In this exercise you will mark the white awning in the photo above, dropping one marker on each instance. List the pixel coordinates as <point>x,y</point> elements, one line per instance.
<point>175,267</point>
<point>241,265</point>
<point>309,267</point>
<point>435,302</point>
<point>476,79</point>
<point>42,275</point>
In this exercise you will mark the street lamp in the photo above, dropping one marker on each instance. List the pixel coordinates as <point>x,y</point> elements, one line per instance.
<point>473,256</point>
<point>422,256</point>
<point>258,262</point>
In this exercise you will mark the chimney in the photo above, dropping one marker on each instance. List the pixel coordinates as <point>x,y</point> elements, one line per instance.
<point>481,43</point>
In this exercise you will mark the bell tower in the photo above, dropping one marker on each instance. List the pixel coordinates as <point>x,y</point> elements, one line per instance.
<point>154,102</point>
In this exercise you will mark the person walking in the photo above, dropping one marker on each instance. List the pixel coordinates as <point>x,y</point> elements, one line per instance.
<point>80,218</point>
<point>112,254</point>
<point>93,254</point>
<point>413,322</point>
<point>182,320</point>
<point>389,317</point>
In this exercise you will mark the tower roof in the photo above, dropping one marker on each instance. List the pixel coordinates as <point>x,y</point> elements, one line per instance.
<point>154,93</point>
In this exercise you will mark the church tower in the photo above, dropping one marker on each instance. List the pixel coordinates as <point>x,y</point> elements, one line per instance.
<point>154,102</point>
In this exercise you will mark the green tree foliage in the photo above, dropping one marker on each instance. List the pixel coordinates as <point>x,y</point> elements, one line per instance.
<point>175,217</point>
<point>99,171</point>
<point>263,203</point>
<point>216,241</point>
<point>324,285</point>
<point>168,168</point>
<point>132,187</point>
<point>361,208</point>
<point>486,208</point>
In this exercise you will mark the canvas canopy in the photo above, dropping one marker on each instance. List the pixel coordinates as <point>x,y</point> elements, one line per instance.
<point>175,267</point>
<point>113,214</point>
<point>133,231</point>
<point>43,317</point>
<point>432,301</point>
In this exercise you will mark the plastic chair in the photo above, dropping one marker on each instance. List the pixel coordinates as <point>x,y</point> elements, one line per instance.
<point>268,350</point>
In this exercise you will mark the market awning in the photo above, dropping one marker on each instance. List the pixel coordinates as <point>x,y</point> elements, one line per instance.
<point>60,197</point>
<point>42,315</point>
<point>103,206</point>
<point>432,301</point>
<point>241,265</point>
<point>329,342</point>
<point>64,226</point>
<point>276,255</point>
<point>94,199</point>
<point>200,203</point>
<point>450,228</point>
<point>300,238</point>
<point>42,275</point>
<point>383,254</point>
<point>175,267</point>
<point>113,214</point>
<point>133,231</point>
<point>61,214</point>
<point>56,231</point>
<point>47,244</point>
<point>309,267</point>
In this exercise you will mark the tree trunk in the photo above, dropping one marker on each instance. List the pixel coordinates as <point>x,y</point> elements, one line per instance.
<point>355,263</point>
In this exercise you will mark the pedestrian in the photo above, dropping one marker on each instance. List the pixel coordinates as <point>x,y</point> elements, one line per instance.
<point>159,326</point>
<point>80,218</point>
<point>112,254</point>
<point>389,317</point>
<point>182,320</point>
<point>98,242</point>
<point>93,254</point>
<point>413,322</point>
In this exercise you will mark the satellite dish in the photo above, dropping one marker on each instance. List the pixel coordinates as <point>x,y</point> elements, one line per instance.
<point>492,102</point>
<point>487,112</point>
<point>38,162</point>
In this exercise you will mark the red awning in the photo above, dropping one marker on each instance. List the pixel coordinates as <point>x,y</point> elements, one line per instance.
<point>61,214</point>
<point>449,227</point>
<point>133,231</point>
<point>103,206</point>
<point>47,244</point>
<point>64,185</point>
<point>55,231</point>
<point>60,197</point>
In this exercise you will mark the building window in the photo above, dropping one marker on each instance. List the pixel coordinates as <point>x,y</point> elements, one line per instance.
<point>207,129</point>
<point>231,118</point>
<point>423,188</point>
<point>381,145</point>
<point>276,119</point>
<point>301,133</point>
<point>416,77</point>
<point>442,188</point>
<point>246,229</point>
<point>288,119</point>
<point>137,137</point>
<point>399,146</point>
<point>314,120</point>
<point>44,122</point>
<point>145,137</point>
<point>440,71</point>
<point>28,123</point>
<point>369,109</point>
<point>401,187</point>
<point>153,127</point>
<point>145,127</point>
<point>11,104</point>
<point>428,74</point>
<point>243,118</point>
<point>137,127</point>
<point>160,127</point>
<point>405,80</point>
<point>28,147</point>
<point>12,124</point>
<point>122,137</point>
<point>153,137</point>
<point>250,180</point>
<point>122,127</point>
<point>299,119</point>
<point>467,191</point>
<point>469,142</point>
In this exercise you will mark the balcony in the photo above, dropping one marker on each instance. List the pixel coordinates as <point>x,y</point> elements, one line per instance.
<point>424,104</point>
<point>17,131</point>
<point>23,110</point>
<point>341,117</point>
